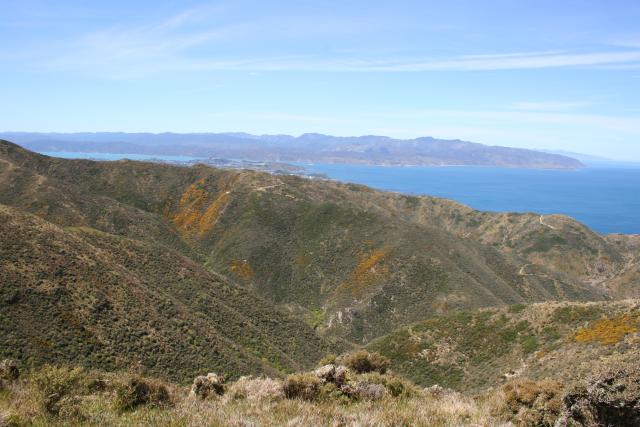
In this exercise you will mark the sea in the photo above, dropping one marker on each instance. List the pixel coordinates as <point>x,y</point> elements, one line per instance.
<point>605,198</point>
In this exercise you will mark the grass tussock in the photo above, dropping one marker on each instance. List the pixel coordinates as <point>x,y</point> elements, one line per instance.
<point>363,361</point>
<point>324,397</point>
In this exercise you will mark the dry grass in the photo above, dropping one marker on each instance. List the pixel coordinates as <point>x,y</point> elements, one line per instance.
<point>248,402</point>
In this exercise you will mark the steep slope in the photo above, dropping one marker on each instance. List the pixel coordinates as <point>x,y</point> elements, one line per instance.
<point>81,296</point>
<point>356,263</point>
<point>474,350</point>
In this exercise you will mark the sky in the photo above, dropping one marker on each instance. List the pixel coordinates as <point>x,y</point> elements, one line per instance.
<point>559,75</point>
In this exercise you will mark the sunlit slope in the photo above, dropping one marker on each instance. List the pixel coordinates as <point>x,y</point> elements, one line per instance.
<point>474,350</point>
<point>354,262</point>
<point>82,296</point>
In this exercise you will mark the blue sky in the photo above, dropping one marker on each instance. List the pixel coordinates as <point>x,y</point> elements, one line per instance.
<point>537,74</point>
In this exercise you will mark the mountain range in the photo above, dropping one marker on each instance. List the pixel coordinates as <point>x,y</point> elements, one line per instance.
<point>187,269</point>
<point>307,148</point>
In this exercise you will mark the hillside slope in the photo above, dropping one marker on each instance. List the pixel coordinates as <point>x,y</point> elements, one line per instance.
<point>82,296</point>
<point>355,262</point>
<point>475,350</point>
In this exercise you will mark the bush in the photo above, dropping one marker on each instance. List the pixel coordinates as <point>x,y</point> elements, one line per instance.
<point>9,370</point>
<point>138,392</point>
<point>328,359</point>
<point>533,403</point>
<point>211,385</point>
<point>256,389</point>
<point>362,361</point>
<point>302,386</point>
<point>55,383</point>
<point>396,386</point>
<point>609,397</point>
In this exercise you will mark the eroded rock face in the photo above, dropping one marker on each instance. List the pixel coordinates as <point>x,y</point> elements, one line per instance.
<point>209,385</point>
<point>609,398</point>
<point>336,374</point>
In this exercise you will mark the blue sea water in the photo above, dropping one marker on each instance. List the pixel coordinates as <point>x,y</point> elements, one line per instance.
<point>605,199</point>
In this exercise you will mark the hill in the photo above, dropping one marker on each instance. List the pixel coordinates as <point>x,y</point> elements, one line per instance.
<point>82,296</point>
<point>313,148</point>
<point>476,350</point>
<point>353,263</point>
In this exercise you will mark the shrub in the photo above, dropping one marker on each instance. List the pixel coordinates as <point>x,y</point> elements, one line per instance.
<point>362,361</point>
<point>211,385</point>
<point>533,403</point>
<point>55,383</point>
<point>256,389</point>
<point>328,359</point>
<point>302,386</point>
<point>138,392</point>
<point>9,370</point>
<point>609,397</point>
<point>396,386</point>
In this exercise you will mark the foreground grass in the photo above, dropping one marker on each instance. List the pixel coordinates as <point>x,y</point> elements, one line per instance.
<point>98,411</point>
<point>24,402</point>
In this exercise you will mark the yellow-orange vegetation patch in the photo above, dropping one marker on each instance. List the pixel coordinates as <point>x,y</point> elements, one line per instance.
<point>607,331</point>
<point>368,270</point>
<point>198,210</point>
<point>211,214</point>
<point>241,268</point>
<point>303,260</point>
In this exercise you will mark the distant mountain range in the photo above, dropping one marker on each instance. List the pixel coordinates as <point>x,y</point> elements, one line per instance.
<point>307,148</point>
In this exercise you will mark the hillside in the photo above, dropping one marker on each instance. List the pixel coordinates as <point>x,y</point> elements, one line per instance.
<point>353,263</point>
<point>82,296</point>
<point>311,147</point>
<point>476,350</point>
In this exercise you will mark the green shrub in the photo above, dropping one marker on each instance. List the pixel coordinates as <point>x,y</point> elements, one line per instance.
<point>301,386</point>
<point>328,359</point>
<point>53,384</point>
<point>362,361</point>
<point>137,392</point>
<point>396,386</point>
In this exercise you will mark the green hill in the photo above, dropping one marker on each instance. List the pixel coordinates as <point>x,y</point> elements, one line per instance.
<point>353,263</point>
<point>475,350</point>
<point>82,296</point>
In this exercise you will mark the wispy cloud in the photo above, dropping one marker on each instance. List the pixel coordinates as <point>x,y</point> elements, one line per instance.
<point>192,41</point>
<point>548,106</point>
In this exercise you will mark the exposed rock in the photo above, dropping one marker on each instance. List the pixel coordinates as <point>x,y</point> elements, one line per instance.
<point>364,391</point>
<point>9,370</point>
<point>609,398</point>
<point>336,374</point>
<point>205,386</point>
